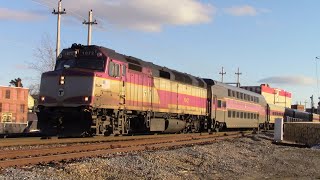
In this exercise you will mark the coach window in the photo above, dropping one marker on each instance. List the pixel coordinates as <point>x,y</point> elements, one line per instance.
<point>7,94</point>
<point>254,116</point>
<point>229,92</point>
<point>0,107</point>
<point>238,114</point>
<point>233,114</point>
<point>241,95</point>
<point>224,104</point>
<point>219,104</point>
<point>238,96</point>
<point>241,115</point>
<point>257,116</point>
<point>251,115</point>
<point>229,113</point>
<point>245,115</point>
<point>233,94</point>
<point>245,96</point>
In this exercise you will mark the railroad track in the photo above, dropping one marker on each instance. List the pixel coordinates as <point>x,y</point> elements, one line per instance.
<point>77,151</point>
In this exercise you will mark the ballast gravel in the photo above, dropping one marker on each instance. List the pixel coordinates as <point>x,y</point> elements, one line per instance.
<point>250,157</point>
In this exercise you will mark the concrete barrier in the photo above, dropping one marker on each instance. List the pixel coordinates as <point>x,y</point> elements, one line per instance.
<point>278,130</point>
<point>307,133</point>
<point>6,128</point>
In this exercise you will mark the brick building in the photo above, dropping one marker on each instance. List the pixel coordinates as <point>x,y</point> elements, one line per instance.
<point>14,104</point>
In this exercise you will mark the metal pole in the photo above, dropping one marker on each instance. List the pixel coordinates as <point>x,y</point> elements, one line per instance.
<point>59,12</point>
<point>238,77</point>
<point>89,23</point>
<point>222,74</point>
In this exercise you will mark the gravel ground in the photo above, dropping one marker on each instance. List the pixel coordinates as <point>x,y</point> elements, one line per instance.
<point>252,157</point>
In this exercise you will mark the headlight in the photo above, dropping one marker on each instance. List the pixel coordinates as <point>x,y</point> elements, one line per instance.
<point>61,82</point>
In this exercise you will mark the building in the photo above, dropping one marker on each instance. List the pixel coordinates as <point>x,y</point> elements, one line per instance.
<point>13,109</point>
<point>274,96</point>
<point>298,107</point>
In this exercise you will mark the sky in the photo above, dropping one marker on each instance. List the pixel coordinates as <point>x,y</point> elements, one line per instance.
<point>270,41</point>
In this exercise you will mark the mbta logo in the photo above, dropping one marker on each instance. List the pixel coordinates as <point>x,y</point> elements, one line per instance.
<point>61,92</point>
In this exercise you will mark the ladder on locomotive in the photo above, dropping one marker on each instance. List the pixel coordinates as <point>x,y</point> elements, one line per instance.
<point>119,126</point>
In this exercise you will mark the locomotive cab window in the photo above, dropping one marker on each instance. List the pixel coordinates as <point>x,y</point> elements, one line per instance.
<point>111,69</point>
<point>114,69</point>
<point>117,70</point>
<point>124,70</point>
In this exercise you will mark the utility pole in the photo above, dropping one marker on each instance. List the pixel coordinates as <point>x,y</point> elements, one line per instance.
<point>89,23</point>
<point>222,74</point>
<point>312,105</point>
<point>305,104</point>
<point>238,77</point>
<point>59,12</point>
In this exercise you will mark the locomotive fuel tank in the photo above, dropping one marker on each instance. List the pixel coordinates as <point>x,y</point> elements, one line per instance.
<point>166,125</point>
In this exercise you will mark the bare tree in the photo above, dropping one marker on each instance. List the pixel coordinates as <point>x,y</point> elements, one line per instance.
<point>44,60</point>
<point>34,89</point>
<point>44,56</point>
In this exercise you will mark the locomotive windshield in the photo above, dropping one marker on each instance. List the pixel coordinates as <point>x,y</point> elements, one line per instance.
<point>92,64</point>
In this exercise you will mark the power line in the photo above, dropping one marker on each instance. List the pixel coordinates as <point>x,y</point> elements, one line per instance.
<point>45,5</point>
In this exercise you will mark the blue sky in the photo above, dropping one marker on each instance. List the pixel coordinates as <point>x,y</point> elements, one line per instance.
<point>271,41</point>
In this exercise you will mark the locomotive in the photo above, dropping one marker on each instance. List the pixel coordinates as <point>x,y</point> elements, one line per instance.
<point>94,90</point>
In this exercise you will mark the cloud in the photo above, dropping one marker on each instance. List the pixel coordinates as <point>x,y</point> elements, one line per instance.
<point>289,80</point>
<point>245,10</point>
<point>20,66</point>
<point>18,15</point>
<point>145,15</point>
